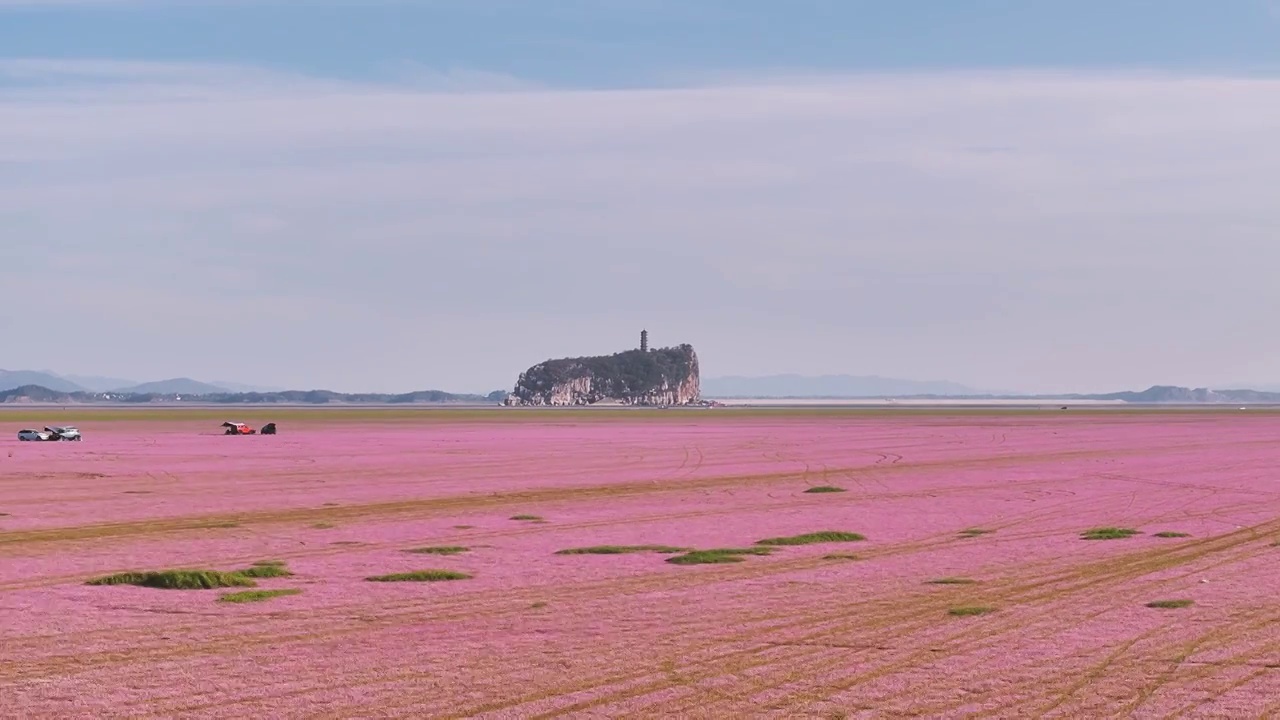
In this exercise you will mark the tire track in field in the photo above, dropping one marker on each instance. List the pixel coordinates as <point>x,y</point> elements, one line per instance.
<point>629,696</point>
<point>939,541</point>
<point>458,503</point>
<point>1124,573</point>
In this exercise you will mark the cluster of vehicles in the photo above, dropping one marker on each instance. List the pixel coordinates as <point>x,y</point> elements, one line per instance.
<point>70,433</point>
<point>239,428</point>
<point>50,434</point>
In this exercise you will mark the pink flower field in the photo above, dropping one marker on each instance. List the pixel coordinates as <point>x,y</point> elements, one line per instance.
<point>1032,619</point>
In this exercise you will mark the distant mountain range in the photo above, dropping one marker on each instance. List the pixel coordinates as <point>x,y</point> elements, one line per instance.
<point>10,379</point>
<point>35,386</point>
<point>831,386</point>
<point>38,394</point>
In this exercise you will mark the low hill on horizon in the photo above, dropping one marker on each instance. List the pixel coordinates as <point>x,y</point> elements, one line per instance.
<point>173,386</point>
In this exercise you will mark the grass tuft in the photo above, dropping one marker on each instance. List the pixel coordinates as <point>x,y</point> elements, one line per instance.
<point>248,596</point>
<point>622,550</point>
<point>1170,604</point>
<point>323,526</point>
<point>420,576</point>
<point>538,605</point>
<point>266,570</point>
<point>177,579</point>
<point>826,536</point>
<point>463,527</point>
<point>951,581</point>
<point>970,610</point>
<point>975,532</point>
<point>825,489</point>
<point>717,556</point>
<point>1172,534</point>
<point>527,518</point>
<point>1108,533</point>
<point>841,556</point>
<point>439,550</point>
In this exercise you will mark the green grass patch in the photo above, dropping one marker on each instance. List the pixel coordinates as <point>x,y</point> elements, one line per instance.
<point>248,596</point>
<point>439,550</point>
<point>1170,604</point>
<point>463,527</point>
<point>323,526</point>
<point>825,489</point>
<point>271,569</point>
<point>825,536</point>
<point>970,610</point>
<point>224,525</point>
<point>841,556</point>
<point>177,579</point>
<point>717,556</point>
<point>538,605</point>
<point>1108,533</point>
<point>420,576</point>
<point>527,518</point>
<point>1172,534</point>
<point>975,532</point>
<point>951,581</point>
<point>346,542</point>
<point>622,550</point>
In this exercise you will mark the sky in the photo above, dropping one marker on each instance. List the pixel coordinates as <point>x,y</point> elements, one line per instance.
<point>388,195</point>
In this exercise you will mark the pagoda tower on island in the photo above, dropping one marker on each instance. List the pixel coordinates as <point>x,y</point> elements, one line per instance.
<point>644,341</point>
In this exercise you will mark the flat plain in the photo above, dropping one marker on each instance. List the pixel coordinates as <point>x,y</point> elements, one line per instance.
<point>915,563</point>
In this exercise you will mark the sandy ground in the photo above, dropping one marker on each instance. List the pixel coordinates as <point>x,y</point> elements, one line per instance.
<point>798,633</point>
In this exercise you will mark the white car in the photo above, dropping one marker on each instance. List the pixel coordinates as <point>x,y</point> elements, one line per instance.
<point>66,432</point>
<point>34,435</point>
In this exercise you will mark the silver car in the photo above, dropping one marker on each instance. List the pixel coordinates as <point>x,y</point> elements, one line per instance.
<point>34,435</point>
<point>65,432</point>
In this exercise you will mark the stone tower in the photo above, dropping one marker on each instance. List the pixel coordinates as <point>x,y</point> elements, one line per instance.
<point>644,341</point>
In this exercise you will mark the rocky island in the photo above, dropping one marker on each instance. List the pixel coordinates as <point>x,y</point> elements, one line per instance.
<point>664,376</point>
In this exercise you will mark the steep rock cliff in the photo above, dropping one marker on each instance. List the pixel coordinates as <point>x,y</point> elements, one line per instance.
<point>666,376</point>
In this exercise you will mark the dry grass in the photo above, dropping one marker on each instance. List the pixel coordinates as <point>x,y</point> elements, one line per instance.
<point>1170,604</point>
<point>970,611</point>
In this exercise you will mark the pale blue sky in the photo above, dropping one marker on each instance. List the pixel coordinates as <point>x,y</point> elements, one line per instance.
<point>605,43</point>
<point>1033,194</point>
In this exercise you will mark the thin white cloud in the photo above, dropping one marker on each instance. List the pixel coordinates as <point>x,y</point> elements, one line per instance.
<point>1034,229</point>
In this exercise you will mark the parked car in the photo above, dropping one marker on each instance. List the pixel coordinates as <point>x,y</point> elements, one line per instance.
<point>238,428</point>
<point>65,432</point>
<point>269,429</point>
<point>34,436</point>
